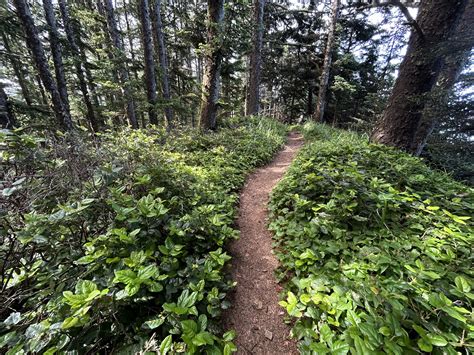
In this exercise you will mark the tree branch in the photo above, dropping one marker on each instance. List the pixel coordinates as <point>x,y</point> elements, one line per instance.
<point>408,16</point>
<point>403,8</point>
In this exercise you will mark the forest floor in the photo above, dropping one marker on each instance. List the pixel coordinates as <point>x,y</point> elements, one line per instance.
<point>255,313</point>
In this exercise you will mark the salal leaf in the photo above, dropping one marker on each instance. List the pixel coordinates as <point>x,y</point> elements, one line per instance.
<point>13,318</point>
<point>462,284</point>
<point>424,345</point>
<point>154,322</point>
<point>148,272</point>
<point>166,345</point>
<point>126,276</point>
<point>340,348</point>
<point>203,338</point>
<point>70,322</point>
<point>437,340</point>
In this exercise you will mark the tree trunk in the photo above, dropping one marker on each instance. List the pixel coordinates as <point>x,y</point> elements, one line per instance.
<point>213,59</point>
<point>131,46</point>
<point>123,72</point>
<point>165,83</point>
<point>449,75</point>
<point>17,69</point>
<point>438,100</point>
<point>129,37</point>
<point>7,119</point>
<point>44,98</point>
<point>253,100</point>
<point>418,72</point>
<point>324,79</point>
<point>199,69</point>
<point>150,78</point>
<point>310,106</point>
<point>128,7</point>
<point>71,37</point>
<point>91,83</point>
<point>39,57</point>
<point>56,51</point>
<point>111,96</point>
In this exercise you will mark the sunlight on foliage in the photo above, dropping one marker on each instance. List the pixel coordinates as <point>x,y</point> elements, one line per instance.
<point>377,250</point>
<point>130,256</point>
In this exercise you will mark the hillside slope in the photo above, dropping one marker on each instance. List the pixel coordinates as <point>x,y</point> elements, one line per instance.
<point>377,249</point>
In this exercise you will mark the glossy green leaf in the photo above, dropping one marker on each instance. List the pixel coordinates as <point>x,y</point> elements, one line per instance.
<point>166,345</point>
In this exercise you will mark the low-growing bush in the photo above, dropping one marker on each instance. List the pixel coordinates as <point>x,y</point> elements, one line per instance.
<point>377,250</point>
<point>129,258</point>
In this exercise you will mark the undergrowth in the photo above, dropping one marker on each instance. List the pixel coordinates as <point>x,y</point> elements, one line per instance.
<point>115,245</point>
<point>376,249</point>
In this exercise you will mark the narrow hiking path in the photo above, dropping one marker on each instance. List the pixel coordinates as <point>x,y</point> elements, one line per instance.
<point>255,313</point>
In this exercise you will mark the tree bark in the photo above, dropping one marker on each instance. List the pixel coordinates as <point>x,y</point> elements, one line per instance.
<point>39,57</point>
<point>150,78</point>
<point>7,118</point>
<point>44,98</point>
<point>324,79</point>
<point>56,51</point>
<point>128,8</point>
<point>132,49</point>
<point>123,72</point>
<point>71,37</point>
<point>163,57</point>
<point>253,100</point>
<point>418,72</point>
<point>213,60</point>
<point>111,96</point>
<point>453,65</point>
<point>310,106</point>
<point>438,100</point>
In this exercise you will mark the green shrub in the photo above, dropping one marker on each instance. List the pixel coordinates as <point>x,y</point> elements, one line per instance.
<point>131,257</point>
<point>377,250</point>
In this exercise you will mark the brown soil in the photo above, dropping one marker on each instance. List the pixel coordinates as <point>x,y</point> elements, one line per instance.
<point>255,313</point>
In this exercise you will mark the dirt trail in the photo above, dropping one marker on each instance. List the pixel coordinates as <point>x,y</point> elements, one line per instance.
<point>255,313</point>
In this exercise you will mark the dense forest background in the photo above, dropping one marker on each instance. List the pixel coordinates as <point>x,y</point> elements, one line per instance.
<point>116,63</point>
